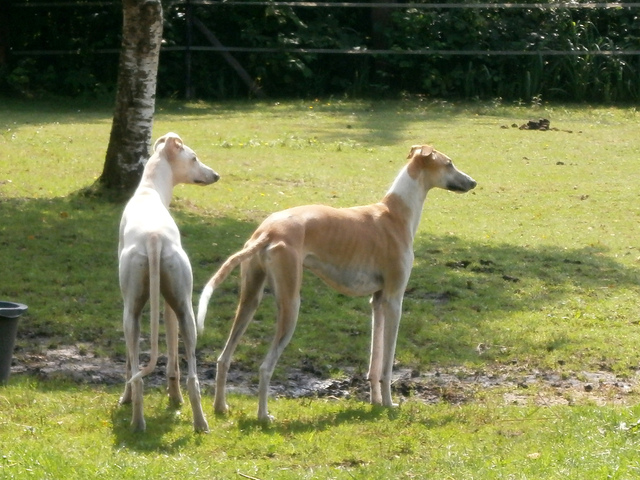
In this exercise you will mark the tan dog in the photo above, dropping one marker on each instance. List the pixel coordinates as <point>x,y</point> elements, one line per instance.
<point>364,250</point>
<point>152,262</point>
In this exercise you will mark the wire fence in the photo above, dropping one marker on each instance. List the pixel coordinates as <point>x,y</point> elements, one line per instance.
<point>357,50</point>
<point>418,6</point>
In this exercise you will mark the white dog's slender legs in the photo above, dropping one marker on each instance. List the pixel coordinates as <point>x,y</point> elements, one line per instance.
<point>130,319</point>
<point>173,366</point>
<point>152,264</point>
<point>189,337</point>
<point>126,396</point>
<point>177,290</point>
<point>377,337</point>
<point>134,388</point>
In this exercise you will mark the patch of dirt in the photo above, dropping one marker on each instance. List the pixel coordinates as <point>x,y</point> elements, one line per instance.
<point>456,386</point>
<point>542,124</point>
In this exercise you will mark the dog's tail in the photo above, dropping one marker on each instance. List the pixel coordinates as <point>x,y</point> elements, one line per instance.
<point>154,248</point>
<point>223,272</point>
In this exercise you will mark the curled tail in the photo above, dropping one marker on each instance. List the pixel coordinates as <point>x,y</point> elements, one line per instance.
<point>223,272</point>
<point>154,248</point>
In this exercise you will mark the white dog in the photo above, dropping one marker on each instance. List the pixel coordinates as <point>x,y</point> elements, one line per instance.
<point>153,263</point>
<point>365,250</point>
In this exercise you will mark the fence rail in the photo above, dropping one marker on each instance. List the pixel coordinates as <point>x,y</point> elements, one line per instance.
<point>357,50</point>
<point>353,51</point>
<point>227,51</point>
<point>417,6</point>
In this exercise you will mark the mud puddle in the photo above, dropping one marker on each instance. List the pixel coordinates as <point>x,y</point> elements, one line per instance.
<point>457,385</point>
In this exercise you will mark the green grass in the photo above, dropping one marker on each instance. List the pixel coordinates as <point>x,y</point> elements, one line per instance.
<point>76,432</point>
<point>540,263</point>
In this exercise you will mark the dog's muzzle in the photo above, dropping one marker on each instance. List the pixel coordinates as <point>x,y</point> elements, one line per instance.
<point>462,186</point>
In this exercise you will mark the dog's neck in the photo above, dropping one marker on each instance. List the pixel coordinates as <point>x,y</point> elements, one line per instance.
<point>157,176</point>
<point>412,194</point>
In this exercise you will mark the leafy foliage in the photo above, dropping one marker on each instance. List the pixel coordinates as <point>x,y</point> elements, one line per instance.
<point>89,29</point>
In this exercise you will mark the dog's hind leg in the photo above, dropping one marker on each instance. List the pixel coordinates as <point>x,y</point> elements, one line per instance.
<point>134,293</point>
<point>377,344</point>
<point>126,396</point>
<point>177,289</point>
<point>133,388</point>
<point>251,289</point>
<point>189,337</point>
<point>173,365</point>
<point>285,274</point>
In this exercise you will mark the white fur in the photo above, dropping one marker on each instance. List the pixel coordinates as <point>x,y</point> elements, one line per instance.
<point>150,249</point>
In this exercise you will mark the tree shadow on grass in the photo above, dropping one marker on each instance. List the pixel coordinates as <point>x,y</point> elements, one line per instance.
<point>59,256</point>
<point>376,123</point>
<point>360,413</point>
<point>351,414</point>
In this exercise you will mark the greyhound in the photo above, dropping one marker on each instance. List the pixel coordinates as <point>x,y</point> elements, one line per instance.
<point>365,250</point>
<point>152,262</point>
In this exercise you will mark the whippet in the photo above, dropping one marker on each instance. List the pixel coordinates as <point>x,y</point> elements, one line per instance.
<point>366,250</point>
<point>153,263</point>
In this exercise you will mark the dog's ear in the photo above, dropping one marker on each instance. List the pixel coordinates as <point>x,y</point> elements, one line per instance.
<point>158,142</point>
<point>170,139</point>
<point>424,150</point>
<point>175,143</point>
<point>413,150</point>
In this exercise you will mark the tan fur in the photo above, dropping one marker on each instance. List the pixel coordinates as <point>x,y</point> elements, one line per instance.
<point>365,250</point>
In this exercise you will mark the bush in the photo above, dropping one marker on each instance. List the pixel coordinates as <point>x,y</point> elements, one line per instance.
<point>89,30</point>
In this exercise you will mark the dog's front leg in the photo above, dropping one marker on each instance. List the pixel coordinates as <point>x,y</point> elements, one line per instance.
<point>377,336</point>
<point>173,365</point>
<point>392,309</point>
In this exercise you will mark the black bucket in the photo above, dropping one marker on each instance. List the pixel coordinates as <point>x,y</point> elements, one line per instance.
<point>9,314</point>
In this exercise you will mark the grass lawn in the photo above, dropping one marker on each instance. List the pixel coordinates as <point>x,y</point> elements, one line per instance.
<point>533,275</point>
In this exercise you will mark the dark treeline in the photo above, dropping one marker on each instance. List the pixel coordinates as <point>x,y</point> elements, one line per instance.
<point>92,32</point>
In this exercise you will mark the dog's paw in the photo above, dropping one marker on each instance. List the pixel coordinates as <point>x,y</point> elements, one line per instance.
<point>201,427</point>
<point>175,402</point>
<point>138,425</point>
<point>266,419</point>
<point>220,409</point>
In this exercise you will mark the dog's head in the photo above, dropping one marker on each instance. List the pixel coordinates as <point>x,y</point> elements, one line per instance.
<point>185,165</point>
<point>435,169</point>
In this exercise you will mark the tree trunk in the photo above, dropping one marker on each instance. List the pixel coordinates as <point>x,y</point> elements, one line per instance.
<point>130,138</point>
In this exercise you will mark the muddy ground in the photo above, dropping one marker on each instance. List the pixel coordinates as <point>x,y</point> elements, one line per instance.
<point>516,385</point>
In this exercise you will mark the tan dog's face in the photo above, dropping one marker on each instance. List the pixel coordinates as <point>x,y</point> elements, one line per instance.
<point>185,165</point>
<point>435,169</point>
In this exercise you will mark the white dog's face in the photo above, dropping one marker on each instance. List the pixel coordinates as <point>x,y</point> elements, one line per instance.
<point>185,165</point>
<point>189,169</point>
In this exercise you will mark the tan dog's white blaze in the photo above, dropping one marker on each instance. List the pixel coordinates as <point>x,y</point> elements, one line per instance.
<point>366,250</point>
<point>153,263</point>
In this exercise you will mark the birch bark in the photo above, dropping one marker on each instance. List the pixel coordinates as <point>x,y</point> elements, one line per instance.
<point>130,138</point>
